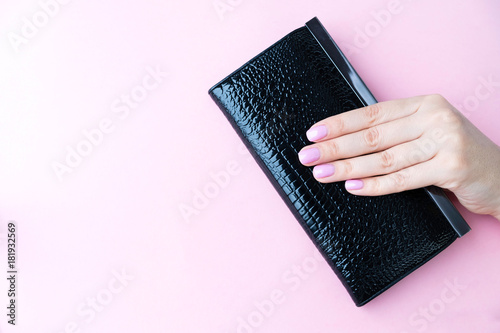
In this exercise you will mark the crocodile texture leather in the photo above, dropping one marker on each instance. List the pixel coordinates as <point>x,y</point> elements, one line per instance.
<point>370,242</point>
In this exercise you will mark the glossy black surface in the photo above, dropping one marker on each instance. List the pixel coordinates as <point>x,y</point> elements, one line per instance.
<point>358,86</point>
<point>370,242</point>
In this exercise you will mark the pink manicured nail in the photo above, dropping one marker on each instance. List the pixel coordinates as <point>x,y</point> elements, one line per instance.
<point>309,155</point>
<point>317,133</point>
<point>323,170</point>
<point>353,184</point>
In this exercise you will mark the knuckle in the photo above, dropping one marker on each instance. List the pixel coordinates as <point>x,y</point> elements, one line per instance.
<point>456,140</point>
<point>444,121</point>
<point>400,180</point>
<point>415,156</point>
<point>436,99</point>
<point>372,137</point>
<point>348,168</point>
<point>333,148</point>
<point>456,171</point>
<point>387,159</point>
<point>376,186</point>
<point>455,164</point>
<point>339,125</point>
<point>449,116</point>
<point>372,113</point>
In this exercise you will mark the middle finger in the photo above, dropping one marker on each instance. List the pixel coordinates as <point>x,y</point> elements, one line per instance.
<point>366,141</point>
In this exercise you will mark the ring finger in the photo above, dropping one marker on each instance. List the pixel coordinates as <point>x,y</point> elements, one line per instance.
<point>380,163</point>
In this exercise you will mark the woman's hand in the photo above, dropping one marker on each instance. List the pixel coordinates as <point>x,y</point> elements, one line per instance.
<point>405,144</point>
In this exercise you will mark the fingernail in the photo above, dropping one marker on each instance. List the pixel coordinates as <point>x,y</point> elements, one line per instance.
<point>323,170</point>
<point>316,133</point>
<point>309,155</point>
<point>353,184</point>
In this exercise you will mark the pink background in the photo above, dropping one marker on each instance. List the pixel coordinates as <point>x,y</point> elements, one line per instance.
<point>239,262</point>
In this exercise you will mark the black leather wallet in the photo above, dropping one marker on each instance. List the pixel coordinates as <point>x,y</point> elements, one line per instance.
<point>271,101</point>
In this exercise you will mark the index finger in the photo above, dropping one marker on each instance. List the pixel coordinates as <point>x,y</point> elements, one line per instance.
<point>362,118</point>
